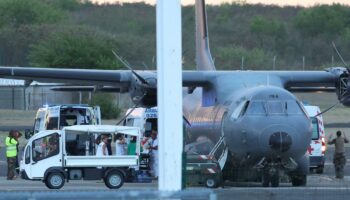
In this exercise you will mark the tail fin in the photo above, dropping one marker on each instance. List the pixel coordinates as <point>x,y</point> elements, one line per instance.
<point>204,60</point>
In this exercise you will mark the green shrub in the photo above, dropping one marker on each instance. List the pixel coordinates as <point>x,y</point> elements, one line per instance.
<point>76,47</point>
<point>109,109</point>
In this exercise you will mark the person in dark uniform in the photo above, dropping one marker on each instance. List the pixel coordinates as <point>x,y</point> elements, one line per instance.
<point>339,159</point>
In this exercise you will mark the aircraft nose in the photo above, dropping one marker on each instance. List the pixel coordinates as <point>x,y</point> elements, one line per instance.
<point>280,141</point>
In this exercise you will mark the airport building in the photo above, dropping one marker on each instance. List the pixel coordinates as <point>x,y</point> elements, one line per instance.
<point>16,95</point>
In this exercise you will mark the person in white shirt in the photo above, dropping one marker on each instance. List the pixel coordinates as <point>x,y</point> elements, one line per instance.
<point>154,153</point>
<point>120,145</point>
<point>102,147</point>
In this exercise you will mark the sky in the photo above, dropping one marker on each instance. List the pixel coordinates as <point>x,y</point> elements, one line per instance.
<point>276,2</point>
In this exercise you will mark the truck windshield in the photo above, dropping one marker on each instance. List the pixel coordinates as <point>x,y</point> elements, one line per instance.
<point>315,132</point>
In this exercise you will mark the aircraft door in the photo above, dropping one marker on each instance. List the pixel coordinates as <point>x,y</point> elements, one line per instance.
<point>97,113</point>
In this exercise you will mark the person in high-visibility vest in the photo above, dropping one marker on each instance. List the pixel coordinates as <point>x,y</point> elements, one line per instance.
<point>11,153</point>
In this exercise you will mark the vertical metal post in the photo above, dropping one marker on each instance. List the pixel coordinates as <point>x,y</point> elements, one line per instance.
<point>24,99</point>
<point>242,63</point>
<point>332,61</point>
<point>169,80</point>
<point>13,97</point>
<point>303,63</point>
<point>274,63</point>
<point>80,97</point>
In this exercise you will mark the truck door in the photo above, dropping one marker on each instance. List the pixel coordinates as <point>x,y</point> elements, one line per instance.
<point>26,162</point>
<point>46,153</point>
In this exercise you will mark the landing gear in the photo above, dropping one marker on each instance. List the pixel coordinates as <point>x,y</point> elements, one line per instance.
<point>299,180</point>
<point>319,169</point>
<point>270,175</point>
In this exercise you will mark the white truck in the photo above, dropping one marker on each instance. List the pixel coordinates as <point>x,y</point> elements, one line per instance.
<point>144,118</point>
<point>317,146</point>
<point>54,156</point>
<point>51,117</point>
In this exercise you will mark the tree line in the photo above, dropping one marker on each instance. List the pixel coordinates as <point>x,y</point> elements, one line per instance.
<point>79,34</point>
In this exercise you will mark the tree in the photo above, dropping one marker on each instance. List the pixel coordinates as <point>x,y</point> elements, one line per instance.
<point>109,109</point>
<point>330,20</point>
<point>76,47</point>
<point>267,31</point>
<point>23,12</point>
<point>230,57</point>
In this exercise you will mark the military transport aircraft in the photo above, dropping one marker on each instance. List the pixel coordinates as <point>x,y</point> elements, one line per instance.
<point>264,126</point>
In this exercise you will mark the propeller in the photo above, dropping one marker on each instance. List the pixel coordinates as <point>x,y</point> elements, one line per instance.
<point>341,57</point>
<point>133,108</point>
<point>127,65</point>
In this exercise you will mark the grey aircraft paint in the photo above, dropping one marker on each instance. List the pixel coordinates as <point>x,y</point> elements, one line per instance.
<point>264,125</point>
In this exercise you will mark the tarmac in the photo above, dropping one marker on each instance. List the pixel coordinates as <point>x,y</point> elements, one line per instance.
<point>319,186</point>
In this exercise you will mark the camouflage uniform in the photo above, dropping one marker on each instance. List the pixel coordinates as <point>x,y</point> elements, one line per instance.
<point>339,159</point>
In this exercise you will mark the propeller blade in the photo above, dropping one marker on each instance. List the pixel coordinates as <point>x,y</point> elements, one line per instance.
<point>129,67</point>
<point>341,58</point>
<point>186,120</point>
<point>133,108</point>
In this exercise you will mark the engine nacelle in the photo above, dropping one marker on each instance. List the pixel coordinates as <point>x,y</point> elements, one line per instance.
<point>342,85</point>
<point>144,94</point>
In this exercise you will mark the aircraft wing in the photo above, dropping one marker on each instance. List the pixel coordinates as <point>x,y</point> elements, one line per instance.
<point>112,78</point>
<point>142,84</point>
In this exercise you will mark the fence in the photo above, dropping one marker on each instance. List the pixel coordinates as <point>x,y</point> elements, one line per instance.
<point>34,97</point>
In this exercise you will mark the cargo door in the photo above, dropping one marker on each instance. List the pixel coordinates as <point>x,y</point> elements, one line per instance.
<point>315,148</point>
<point>52,118</point>
<point>97,113</point>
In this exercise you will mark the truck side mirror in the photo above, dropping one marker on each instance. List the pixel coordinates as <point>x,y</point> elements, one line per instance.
<point>28,133</point>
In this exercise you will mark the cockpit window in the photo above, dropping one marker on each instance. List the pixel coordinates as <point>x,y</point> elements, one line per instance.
<point>274,108</point>
<point>240,110</point>
<point>293,108</point>
<point>257,108</point>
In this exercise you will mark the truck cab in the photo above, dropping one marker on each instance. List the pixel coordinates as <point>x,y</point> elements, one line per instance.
<point>56,156</point>
<point>317,148</point>
<point>56,117</point>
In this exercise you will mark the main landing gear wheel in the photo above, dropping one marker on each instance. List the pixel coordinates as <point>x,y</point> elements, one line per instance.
<point>270,176</point>
<point>319,170</point>
<point>114,179</point>
<point>299,180</point>
<point>55,180</point>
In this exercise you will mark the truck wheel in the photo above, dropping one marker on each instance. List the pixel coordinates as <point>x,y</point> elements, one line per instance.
<point>55,180</point>
<point>114,179</point>
<point>210,183</point>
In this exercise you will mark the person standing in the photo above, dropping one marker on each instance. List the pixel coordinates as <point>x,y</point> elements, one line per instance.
<point>11,154</point>
<point>154,153</point>
<point>120,146</point>
<point>102,147</point>
<point>339,159</point>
